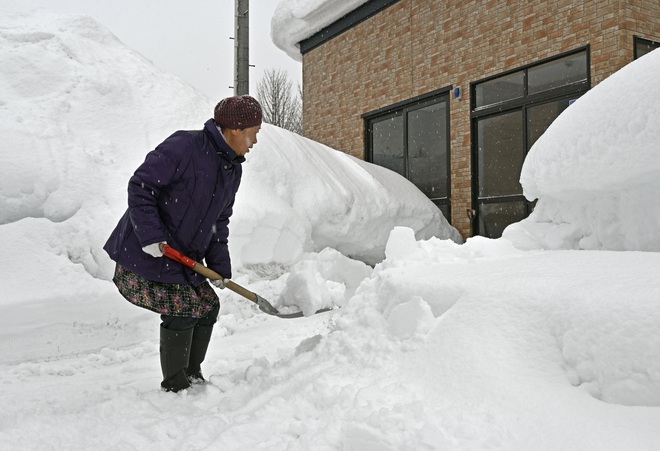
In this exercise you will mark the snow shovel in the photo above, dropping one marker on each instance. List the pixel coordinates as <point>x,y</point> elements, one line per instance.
<point>263,304</point>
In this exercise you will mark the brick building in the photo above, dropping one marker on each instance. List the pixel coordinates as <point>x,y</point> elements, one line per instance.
<point>452,94</point>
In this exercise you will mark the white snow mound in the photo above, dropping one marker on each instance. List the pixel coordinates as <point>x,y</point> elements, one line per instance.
<point>596,171</point>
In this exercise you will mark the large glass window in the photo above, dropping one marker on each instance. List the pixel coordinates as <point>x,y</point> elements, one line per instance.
<point>501,89</point>
<point>387,137</point>
<point>644,46</point>
<point>557,73</point>
<point>427,149</point>
<point>539,118</point>
<point>503,133</point>
<point>412,139</point>
<point>501,154</point>
<point>494,217</point>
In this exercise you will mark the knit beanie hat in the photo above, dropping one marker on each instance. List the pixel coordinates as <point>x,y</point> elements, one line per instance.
<point>238,112</point>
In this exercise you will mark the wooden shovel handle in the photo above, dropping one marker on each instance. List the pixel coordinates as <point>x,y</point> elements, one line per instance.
<point>172,253</point>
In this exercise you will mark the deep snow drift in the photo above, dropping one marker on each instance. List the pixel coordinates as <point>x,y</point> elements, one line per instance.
<point>596,170</point>
<point>439,346</point>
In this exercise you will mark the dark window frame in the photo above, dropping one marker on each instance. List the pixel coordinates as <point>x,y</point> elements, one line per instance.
<point>640,40</point>
<point>402,109</point>
<point>565,92</point>
<point>527,99</point>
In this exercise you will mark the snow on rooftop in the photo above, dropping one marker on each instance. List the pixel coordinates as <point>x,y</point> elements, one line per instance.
<point>297,20</point>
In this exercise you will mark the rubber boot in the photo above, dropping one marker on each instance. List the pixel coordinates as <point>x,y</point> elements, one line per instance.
<point>174,357</point>
<point>200,343</point>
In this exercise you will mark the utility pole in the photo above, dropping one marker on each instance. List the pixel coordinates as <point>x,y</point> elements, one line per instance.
<point>242,48</point>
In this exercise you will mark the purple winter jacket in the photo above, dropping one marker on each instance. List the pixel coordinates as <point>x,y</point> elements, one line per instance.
<point>183,193</point>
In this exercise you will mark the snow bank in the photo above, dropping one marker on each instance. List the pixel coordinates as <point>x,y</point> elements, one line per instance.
<point>598,337</point>
<point>77,111</point>
<point>296,20</point>
<point>596,170</point>
<point>321,280</point>
<point>300,196</point>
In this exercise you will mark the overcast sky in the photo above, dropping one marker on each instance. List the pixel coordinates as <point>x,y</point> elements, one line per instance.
<point>190,39</point>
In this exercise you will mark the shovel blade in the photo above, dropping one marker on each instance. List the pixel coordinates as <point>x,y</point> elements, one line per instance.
<point>300,314</point>
<point>266,306</point>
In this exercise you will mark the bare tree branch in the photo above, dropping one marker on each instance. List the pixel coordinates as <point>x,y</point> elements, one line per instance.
<point>281,107</point>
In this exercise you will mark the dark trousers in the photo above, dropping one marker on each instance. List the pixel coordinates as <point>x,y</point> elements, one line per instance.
<point>185,322</point>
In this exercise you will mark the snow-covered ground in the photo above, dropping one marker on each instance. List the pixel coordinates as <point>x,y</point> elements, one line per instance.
<point>490,344</point>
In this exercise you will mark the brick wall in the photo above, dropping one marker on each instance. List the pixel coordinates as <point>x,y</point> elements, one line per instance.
<point>417,46</point>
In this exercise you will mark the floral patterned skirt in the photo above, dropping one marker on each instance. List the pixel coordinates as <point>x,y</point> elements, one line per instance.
<point>170,299</point>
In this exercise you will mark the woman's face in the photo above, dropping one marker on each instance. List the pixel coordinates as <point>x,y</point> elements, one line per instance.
<point>242,140</point>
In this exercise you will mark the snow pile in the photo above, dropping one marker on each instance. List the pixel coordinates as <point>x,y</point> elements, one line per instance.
<point>322,280</point>
<point>596,170</point>
<point>297,20</point>
<point>57,90</point>
<point>588,328</point>
<point>74,121</point>
<point>300,196</point>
